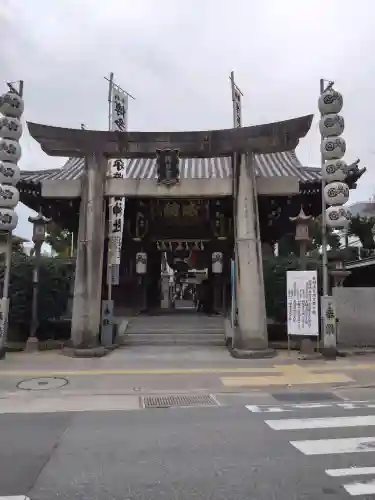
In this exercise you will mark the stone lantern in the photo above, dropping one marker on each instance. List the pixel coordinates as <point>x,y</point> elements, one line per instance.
<point>39,234</point>
<point>302,235</point>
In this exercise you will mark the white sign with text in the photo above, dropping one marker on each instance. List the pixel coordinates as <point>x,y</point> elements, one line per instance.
<point>302,303</point>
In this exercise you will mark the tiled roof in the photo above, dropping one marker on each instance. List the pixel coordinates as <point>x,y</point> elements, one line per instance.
<point>269,165</point>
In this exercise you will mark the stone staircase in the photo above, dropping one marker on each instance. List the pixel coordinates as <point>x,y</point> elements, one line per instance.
<point>176,329</point>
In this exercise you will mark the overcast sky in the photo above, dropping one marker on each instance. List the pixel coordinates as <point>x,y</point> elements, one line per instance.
<point>175,57</point>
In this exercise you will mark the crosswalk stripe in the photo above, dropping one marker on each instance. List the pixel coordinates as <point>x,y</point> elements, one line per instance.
<point>321,423</point>
<point>14,497</point>
<point>356,489</point>
<point>351,471</point>
<point>335,446</point>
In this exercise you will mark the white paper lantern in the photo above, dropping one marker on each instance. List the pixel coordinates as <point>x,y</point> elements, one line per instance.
<point>9,150</point>
<point>8,219</point>
<point>9,196</point>
<point>331,125</point>
<point>333,148</point>
<point>336,193</point>
<point>217,262</point>
<point>9,173</point>
<point>335,170</point>
<point>330,101</point>
<point>11,104</point>
<point>141,263</point>
<point>10,128</point>
<point>337,217</point>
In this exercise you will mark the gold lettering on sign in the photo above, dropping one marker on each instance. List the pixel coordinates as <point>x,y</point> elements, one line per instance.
<point>190,210</point>
<point>172,209</point>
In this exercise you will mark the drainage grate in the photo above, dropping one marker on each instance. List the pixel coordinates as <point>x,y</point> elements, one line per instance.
<point>178,400</point>
<point>299,397</point>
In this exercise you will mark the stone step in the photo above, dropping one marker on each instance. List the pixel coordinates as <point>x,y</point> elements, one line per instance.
<point>192,339</point>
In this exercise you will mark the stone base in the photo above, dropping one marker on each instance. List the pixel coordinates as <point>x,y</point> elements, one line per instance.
<point>252,353</point>
<point>89,352</point>
<point>32,345</point>
<point>307,347</point>
<point>329,352</point>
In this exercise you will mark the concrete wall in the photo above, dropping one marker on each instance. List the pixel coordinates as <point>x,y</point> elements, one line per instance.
<point>356,312</point>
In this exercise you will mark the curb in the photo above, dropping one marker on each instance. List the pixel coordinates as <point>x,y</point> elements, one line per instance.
<point>89,352</point>
<point>252,354</point>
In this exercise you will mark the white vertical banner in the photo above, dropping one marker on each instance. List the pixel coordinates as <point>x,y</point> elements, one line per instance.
<point>302,303</point>
<point>236,98</point>
<point>118,122</point>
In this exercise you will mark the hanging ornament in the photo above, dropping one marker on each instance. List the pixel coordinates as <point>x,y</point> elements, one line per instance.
<point>331,125</point>
<point>333,148</point>
<point>336,193</point>
<point>330,101</point>
<point>335,170</point>
<point>337,217</point>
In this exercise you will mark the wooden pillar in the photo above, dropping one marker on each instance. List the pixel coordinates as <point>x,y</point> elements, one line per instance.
<point>252,319</point>
<point>89,264</point>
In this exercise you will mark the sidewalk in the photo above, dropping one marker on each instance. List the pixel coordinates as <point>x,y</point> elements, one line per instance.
<point>152,368</point>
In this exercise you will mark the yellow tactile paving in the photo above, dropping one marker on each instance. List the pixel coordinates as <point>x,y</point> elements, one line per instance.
<point>291,375</point>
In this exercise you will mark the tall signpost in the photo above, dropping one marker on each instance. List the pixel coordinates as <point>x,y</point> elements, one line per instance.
<point>335,193</point>
<point>117,121</point>
<point>11,109</point>
<point>237,122</point>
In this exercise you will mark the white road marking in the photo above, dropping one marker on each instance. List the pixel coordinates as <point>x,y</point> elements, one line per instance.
<point>352,471</point>
<point>356,489</point>
<point>335,446</point>
<point>352,405</point>
<point>321,423</point>
<point>15,497</point>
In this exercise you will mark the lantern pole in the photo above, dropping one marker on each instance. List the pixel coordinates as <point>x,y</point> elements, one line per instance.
<point>4,309</point>
<point>324,222</point>
<point>335,193</point>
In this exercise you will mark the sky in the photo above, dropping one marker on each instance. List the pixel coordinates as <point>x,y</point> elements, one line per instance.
<point>175,57</point>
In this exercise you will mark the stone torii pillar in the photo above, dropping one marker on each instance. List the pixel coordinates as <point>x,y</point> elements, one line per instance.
<point>252,319</point>
<point>89,264</point>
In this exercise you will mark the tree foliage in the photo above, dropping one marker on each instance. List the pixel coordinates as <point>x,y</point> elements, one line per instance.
<point>55,278</point>
<point>59,239</point>
<point>288,246</point>
<point>274,272</point>
<point>361,227</point>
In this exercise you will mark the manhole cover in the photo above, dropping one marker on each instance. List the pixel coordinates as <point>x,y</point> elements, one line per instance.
<point>42,383</point>
<point>179,400</point>
<point>297,397</point>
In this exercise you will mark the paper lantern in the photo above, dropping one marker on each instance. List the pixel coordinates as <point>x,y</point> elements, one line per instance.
<point>11,104</point>
<point>217,262</point>
<point>141,262</point>
<point>336,193</point>
<point>330,101</point>
<point>10,128</point>
<point>333,148</point>
<point>9,196</point>
<point>337,217</point>
<point>9,150</point>
<point>335,170</point>
<point>331,125</point>
<point>8,219</point>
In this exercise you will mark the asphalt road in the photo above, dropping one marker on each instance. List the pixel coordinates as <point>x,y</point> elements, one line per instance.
<point>211,453</point>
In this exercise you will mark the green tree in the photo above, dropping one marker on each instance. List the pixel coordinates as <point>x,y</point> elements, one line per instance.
<point>17,242</point>
<point>333,239</point>
<point>289,246</point>
<point>361,227</point>
<point>59,239</point>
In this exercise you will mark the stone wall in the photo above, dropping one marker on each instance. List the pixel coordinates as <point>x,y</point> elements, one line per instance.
<point>356,312</point>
